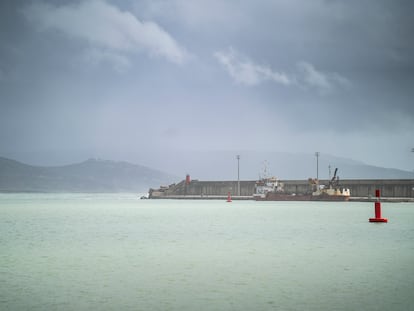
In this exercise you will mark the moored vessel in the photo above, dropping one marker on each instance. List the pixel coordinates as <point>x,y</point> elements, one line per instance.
<point>272,189</point>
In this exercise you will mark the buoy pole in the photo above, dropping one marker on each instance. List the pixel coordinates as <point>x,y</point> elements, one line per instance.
<point>228,197</point>
<point>377,206</point>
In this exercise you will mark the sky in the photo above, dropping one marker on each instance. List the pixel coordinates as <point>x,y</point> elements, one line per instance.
<point>142,81</point>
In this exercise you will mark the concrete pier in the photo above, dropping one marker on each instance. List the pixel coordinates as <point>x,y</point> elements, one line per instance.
<point>397,190</point>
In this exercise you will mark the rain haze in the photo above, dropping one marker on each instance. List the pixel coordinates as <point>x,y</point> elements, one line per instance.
<point>167,83</point>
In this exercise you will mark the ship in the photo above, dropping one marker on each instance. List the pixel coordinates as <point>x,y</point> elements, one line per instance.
<point>272,189</point>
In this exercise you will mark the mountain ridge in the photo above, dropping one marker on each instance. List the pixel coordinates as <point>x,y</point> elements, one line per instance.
<point>223,165</point>
<point>92,175</point>
<point>98,175</point>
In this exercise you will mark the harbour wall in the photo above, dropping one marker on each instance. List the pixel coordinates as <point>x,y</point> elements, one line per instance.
<point>364,188</point>
<point>401,188</point>
<point>206,188</point>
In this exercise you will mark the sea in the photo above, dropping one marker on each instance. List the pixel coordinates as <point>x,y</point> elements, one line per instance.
<point>117,252</point>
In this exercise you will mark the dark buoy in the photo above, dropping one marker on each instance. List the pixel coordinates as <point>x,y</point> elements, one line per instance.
<point>377,205</point>
<point>228,197</point>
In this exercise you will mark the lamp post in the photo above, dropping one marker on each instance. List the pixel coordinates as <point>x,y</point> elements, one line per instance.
<point>412,150</point>
<point>238,174</point>
<point>317,164</point>
<point>329,171</point>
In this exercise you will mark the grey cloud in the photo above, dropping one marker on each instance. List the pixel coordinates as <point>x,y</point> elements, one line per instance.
<point>245,71</point>
<point>302,76</point>
<point>325,83</point>
<point>196,14</point>
<point>95,57</point>
<point>107,27</point>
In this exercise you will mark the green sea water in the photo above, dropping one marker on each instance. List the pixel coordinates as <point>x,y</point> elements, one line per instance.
<point>116,252</point>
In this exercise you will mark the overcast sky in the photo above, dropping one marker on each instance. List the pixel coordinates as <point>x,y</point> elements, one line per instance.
<point>140,80</point>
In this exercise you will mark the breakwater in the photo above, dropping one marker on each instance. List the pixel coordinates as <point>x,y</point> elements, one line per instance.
<point>363,189</point>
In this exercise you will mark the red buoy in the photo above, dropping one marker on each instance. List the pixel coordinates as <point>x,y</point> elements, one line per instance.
<point>228,197</point>
<point>377,205</point>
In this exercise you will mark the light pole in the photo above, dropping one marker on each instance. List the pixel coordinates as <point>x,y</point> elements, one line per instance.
<point>238,174</point>
<point>412,150</point>
<point>317,164</point>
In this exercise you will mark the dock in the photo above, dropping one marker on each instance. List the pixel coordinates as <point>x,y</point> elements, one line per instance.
<point>362,190</point>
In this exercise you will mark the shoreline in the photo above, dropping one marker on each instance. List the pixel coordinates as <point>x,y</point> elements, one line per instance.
<point>239,198</point>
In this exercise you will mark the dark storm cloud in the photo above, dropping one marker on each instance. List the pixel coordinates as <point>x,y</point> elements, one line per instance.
<point>105,76</point>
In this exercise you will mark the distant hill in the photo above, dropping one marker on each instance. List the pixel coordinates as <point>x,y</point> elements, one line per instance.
<point>222,165</point>
<point>89,176</point>
<point>302,166</point>
<point>109,176</point>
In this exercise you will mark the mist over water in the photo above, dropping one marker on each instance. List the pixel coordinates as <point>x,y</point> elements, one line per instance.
<point>113,251</point>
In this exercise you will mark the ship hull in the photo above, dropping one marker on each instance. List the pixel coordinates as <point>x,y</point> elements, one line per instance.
<point>301,197</point>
